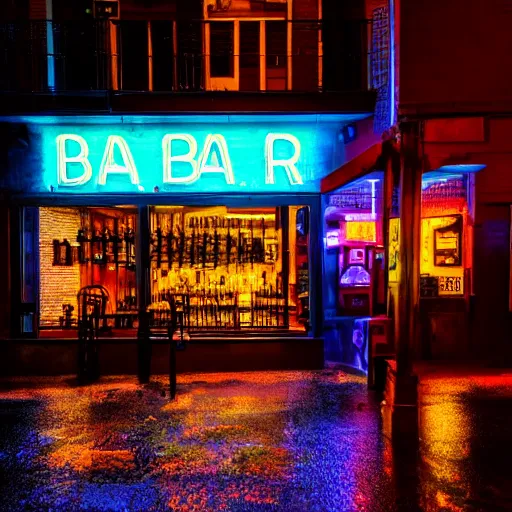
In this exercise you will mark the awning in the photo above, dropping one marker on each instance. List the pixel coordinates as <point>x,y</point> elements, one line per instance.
<point>353,169</point>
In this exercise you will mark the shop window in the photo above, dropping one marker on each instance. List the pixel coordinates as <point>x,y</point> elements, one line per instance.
<point>231,269</point>
<point>221,49</point>
<point>85,247</point>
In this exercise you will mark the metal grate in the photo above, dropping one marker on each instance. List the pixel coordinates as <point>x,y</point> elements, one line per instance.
<point>380,67</point>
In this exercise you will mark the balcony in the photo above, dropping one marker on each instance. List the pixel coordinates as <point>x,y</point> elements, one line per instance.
<point>179,66</point>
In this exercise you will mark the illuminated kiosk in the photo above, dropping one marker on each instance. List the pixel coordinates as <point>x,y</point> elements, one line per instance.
<point>354,269</point>
<point>446,262</point>
<point>220,213</point>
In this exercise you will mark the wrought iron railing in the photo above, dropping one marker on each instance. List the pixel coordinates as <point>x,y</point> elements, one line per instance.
<point>167,56</point>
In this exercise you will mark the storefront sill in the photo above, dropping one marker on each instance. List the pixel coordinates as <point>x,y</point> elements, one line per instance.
<point>23,357</point>
<point>161,340</point>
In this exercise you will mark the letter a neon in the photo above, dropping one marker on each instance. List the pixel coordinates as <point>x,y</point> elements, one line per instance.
<point>169,158</point>
<point>292,172</point>
<point>224,166</point>
<point>63,159</point>
<point>109,166</point>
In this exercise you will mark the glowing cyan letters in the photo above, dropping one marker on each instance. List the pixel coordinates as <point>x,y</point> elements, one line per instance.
<point>63,160</point>
<point>289,164</point>
<point>169,158</point>
<point>213,158</point>
<point>224,166</point>
<point>109,166</point>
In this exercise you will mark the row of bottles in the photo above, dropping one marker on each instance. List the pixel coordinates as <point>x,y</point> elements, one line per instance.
<point>107,240</point>
<point>210,242</point>
<point>212,286</point>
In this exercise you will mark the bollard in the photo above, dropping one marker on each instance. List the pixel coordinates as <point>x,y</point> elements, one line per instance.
<point>172,353</point>
<point>144,349</point>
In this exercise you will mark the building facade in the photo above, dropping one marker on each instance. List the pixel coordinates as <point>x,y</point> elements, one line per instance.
<point>167,153</point>
<point>453,86</point>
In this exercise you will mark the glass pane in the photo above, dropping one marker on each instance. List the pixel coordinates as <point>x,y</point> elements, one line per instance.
<point>299,267</point>
<point>276,55</point>
<point>134,55</point>
<point>221,49</point>
<point>249,56</point>
<point>92,251</point>
<point>225,266</point>
<point>29,255</point>
<point>163,55</point>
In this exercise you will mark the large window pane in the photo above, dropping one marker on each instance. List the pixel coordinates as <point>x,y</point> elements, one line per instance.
<point>226,267</point>
<point>87,247</point>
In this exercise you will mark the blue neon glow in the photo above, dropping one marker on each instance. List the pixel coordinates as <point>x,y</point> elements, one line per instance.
<point>246,141</point>
<point>460,168</point>
<point>392,70</point>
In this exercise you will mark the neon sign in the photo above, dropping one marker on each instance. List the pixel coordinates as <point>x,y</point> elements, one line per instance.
<point>214,158</point>
<point>217,154</point>
<point>361,231</point>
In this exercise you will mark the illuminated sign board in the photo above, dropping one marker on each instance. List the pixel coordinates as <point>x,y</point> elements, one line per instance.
<point>271,154</point>
<point>361,231</point>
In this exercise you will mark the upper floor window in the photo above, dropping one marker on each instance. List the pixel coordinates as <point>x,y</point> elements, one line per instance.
<point>221,49</point>
<point>276,53</point>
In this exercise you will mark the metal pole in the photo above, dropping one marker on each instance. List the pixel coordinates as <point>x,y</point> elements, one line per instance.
<point>172,350</point>
<point>316,265</point>
<point>285,230</point>
<point>144,348</point>
<point>172,369</point>
<point>143,263</point>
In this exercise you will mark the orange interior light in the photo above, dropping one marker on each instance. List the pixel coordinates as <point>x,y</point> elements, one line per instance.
<point>361,231</point>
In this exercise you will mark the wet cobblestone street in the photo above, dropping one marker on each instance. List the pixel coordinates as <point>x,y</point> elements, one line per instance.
<point>254,441</point>
<point>273,441</point>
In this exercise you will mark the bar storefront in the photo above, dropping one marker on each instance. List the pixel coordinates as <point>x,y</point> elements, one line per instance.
<point>220,214</point>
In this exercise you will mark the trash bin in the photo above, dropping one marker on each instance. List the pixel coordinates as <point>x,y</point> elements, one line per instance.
<point>381,347</point>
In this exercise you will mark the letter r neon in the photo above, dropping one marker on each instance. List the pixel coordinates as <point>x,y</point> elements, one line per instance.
<point>292,172</point>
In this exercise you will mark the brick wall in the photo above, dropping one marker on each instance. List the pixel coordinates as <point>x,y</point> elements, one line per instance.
<point>60,284</point>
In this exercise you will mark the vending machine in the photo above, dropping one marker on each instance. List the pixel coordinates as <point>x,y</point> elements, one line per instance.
<point>361,283</point>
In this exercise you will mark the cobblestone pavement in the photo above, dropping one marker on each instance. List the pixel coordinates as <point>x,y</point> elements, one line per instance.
<point>262,441</point>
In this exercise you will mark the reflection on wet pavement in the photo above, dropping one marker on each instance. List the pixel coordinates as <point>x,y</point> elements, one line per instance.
<point>466,449</point>
<point>243,442</point>
<point>273,441</point>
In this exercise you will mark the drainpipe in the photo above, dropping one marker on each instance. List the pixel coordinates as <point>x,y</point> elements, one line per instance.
<point>50,58</point>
